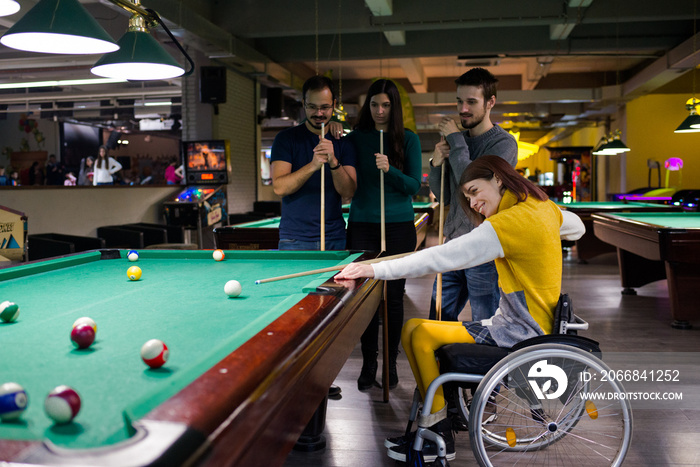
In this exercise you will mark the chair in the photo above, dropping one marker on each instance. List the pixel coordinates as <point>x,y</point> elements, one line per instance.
<point>545,401</point>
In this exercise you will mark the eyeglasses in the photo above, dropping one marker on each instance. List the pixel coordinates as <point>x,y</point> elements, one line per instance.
<point>315,108</point>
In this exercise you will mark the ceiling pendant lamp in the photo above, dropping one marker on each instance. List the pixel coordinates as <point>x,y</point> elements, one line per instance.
<point>616,146</point>
<point>8,7</point>
<point>140,57</point>
<point>691,124</point>
<point>59,27</point>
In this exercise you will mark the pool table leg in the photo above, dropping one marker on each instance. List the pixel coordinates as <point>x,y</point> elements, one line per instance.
<point>683,280</point>
<point>636,271</point>
<point>312,439</point>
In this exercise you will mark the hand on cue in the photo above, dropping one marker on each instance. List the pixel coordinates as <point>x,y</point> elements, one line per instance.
<point>356,271</point>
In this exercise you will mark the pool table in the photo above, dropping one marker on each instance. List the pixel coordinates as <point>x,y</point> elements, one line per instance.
<point>265,234</point>
<point>655,245</point>
<point>419,207</point>
<point>589,246</point>
<point>244,377</point>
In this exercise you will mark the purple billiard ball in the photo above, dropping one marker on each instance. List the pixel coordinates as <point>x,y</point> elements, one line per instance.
<point>83,335</point>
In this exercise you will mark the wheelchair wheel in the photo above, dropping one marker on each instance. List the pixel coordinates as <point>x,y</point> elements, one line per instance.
<point>548,405</point>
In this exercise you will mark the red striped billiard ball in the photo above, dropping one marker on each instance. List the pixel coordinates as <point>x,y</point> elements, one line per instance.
<point>155,353</point>
<point>83,335</point>
<point>62,404</point>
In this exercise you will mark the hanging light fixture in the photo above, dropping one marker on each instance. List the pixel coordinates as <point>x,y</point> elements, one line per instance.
<point>599,149</point>
<point>8,7</point>
<point>691,124</point>
<point>140,56</point>
<point>59,27</point>
<point>616,146</point>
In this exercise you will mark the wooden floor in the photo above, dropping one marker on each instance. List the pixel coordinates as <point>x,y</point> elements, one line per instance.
<point>357,424</point>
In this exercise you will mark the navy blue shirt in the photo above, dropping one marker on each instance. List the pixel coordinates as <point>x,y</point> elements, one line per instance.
<point>301,211</point>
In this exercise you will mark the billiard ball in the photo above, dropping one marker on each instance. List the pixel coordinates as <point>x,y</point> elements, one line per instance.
<point>85,320</point>
<point>62,404</point>
<point>82,336</point>
<point>134,273</point>
<point>232,288</point>
<point>155,353</point>
<point>218,255</point>
<point>9,311</point>
<point>13,401</point>
<point>132,255</point>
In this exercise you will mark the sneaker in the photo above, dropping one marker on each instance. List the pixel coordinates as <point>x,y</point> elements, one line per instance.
<point>429,452</point>
<point>399,440</point>
<point>442,428</point>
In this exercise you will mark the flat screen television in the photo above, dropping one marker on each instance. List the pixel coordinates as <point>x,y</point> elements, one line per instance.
<point>206,162</point>
<point>78,142</point>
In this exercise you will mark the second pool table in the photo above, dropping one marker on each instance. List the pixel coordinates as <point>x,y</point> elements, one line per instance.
<point>265,234</point>
<point>244,377</point>
<point>655,245</point>
<point>589,246</point>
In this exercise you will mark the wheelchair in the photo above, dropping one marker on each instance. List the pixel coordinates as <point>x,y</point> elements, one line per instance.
<point>547,401</point>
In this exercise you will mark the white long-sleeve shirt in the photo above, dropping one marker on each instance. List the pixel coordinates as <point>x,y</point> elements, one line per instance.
<point>104,174</point>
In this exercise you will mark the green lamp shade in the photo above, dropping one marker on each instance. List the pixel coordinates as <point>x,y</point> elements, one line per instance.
<point>59,27</point>
<point>688,125</point>
<point>614,147</point>
<point>8,7</point>
<point>140,57</point>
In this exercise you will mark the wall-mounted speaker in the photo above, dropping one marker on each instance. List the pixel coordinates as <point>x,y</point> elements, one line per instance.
<point>274,102</point>
<point>212,85</point>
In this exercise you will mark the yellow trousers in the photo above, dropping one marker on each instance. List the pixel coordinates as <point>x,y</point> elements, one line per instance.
<point>420,339</point>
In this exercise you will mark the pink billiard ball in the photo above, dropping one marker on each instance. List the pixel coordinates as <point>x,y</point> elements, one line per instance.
<point>62,404</point>
<point>155,353</point>
<point>83,335</point>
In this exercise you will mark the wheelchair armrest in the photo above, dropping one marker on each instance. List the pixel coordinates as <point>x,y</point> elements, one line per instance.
<point>578,325</point>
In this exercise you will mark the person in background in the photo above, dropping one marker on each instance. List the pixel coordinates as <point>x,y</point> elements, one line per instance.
<point>400,163</point>
<point>70,179</point>
<point>4,179</point>
<point>14,178</point>
<point>521,230</point>
<point>85,176</point>
<point>171,175</point>
<point>54,171</point>
<point>105,168</point>
<point>36,174</point>
<point>476,96</point>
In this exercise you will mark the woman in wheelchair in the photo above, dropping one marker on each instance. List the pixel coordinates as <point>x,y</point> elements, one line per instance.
<point>521,230</point>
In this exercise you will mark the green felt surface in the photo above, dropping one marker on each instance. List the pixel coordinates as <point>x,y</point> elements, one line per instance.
<point>179,299</point>
<point>273,223</point>
<point>603,205</point>
<point>672,220</point>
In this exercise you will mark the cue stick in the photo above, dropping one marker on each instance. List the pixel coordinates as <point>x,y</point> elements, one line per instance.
<point>385,310</point>
<point>323,197</point>
<point>441,220</point>
<point>330,268</point>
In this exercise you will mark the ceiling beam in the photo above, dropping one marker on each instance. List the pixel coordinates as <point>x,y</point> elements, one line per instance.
<point>415,73</point>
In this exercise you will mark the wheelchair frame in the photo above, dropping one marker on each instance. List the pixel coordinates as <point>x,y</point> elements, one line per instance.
<point>544,430</point>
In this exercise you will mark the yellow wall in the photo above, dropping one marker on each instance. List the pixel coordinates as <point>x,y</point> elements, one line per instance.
<point>650,123</point>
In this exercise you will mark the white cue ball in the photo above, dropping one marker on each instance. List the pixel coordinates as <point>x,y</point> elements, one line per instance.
<point>233,288</point>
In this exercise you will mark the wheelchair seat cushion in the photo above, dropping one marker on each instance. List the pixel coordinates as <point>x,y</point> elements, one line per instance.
<point>580,342</point>
<point>469,358</point>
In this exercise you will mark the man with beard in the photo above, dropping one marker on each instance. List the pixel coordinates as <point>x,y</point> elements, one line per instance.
<point>476,96</point>
<point>298,156</point>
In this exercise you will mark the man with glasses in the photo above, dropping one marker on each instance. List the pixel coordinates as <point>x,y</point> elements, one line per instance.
<point>298,156</point>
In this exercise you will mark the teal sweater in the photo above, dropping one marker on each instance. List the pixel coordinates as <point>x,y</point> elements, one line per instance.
<point>399,186</point>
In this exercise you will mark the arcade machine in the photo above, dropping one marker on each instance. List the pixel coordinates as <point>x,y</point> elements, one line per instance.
<point>202,206</point>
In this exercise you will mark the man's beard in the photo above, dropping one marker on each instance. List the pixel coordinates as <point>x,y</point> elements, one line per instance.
<point>471,125</point>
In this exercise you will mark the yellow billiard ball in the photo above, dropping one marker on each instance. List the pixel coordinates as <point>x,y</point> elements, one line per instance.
<point>134,273</point>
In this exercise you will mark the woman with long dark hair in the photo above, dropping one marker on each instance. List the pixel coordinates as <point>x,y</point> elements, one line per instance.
<point>521,230</point>
<point>381,116</point>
